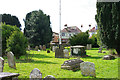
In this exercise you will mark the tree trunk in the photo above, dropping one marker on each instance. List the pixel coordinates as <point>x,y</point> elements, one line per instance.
<point>118,51</point>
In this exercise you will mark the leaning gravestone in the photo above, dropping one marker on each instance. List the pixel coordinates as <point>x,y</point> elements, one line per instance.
<point>1,64</point>
<point>73,64</point>
<point>35,74</point>
<point>49,77</point>
<point>88,69</point>
<point>11,60</point>
<point>108,57</point>
<point>66,53</point>
<point>40,47</point>
<point>44,47</point>
<point>36,48</point>
<point>59,53</point>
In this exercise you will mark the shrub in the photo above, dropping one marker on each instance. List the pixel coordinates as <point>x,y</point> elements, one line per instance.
<point>79,39</point>
<point>7,31</point>
<point>17,43</point>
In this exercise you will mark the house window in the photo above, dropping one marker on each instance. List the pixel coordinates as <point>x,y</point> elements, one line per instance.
<point>63,34</point>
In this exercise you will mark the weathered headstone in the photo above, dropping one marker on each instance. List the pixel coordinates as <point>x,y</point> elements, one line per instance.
<point>28,48</point>
<point>66,53</point>
<point>35,74</point>
<point>108,57</point>
<point>89,46</point>
<point>54,48</point>
<point>87,69</point>
<point>40,47</point>
<point>73,64</point>
<point>11,60</point>
<point>36,48</point>
<point>49,77</point>
<point>59,53</point>
<point>100,50</point>
<point>44,47</point>
<point>1,64</point>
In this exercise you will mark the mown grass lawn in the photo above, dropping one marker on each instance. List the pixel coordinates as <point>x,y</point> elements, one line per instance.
<point>49,65</point>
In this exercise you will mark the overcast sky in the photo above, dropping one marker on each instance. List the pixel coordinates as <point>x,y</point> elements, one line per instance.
<point>73,12</point>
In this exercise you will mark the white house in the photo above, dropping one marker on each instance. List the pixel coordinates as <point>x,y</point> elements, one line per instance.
<point>67,32</point>
<point>92,31</point>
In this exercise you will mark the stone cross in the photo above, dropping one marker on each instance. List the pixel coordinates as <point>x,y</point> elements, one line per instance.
<point>1,64</point>
<point>35,74</point>
<point>87,69</point>
<point>11,60</point>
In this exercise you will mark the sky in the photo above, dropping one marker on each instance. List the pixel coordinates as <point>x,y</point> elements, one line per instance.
<point>73,12</point>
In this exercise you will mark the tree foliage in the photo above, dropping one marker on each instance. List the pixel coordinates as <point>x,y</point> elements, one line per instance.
<point>11,20</point>
<point>108,21</point>
<point>17,43</point>
<point>37,28</point>
<point>79,39</point>
<point>7,31</point>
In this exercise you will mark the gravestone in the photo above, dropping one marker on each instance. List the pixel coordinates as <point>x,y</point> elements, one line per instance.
<point>54,48</point>
<point>89,46</point>
<point>44,47</point>
<point>40,47</point>
<point>59,53</point>
<point>36,48</point>
<point>28,48</point>
<point>100,50</point>
<point>108,57</point>
<point>73,64</point>
<point>35,74</point>
<point>66,53</point>
<point>49,77</point>
<point>1,64</point>
<point>87,69</point>
<point>48,51</point>
<point>11,60</point>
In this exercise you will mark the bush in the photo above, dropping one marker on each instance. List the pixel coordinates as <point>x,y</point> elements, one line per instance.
<point>93,40</point>
<point>79,39</point>
<point>17,43</point>
<point>7,31</point>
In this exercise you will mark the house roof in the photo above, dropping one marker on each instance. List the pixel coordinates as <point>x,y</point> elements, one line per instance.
<point>71,29</point>
<point>92,30</point>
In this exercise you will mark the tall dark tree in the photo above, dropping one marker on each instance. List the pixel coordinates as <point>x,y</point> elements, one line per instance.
<point>108,21</point>
<point>11,20</point>
<point>37,28</point>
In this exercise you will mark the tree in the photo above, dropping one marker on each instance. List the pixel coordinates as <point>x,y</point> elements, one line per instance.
<point>108,21</point>
<point>7,31</point>
<point>79,39</point>
<point>37,28</point>
<point>11,20</point>
<point>17,43</point>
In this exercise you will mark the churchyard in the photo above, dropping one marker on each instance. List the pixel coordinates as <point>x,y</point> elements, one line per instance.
<point>49,65</point>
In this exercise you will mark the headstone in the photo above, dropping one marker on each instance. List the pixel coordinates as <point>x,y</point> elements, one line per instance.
<point>66,53</point>
<point>73,64</point>
<point>28,48</point>
<point>48,51</point>
<point>35,74</point>
<point>89,46</point>
<point>87,69</point>
<point>1,64</point>
<point>11,60</point>
<point>36,48</point>
<point>44,47</point>
<point>100,50</point>
<point>108,57</point>
<point>40,47</point>
<point>49,77</point>
<point>54,48</point>
<point>59,53</point>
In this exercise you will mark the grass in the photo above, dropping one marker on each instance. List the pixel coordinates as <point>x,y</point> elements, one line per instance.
<point>49,65</point>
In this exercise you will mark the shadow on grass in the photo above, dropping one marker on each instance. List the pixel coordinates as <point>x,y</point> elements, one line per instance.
<point>34,61</point>
<point>91,57</point>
